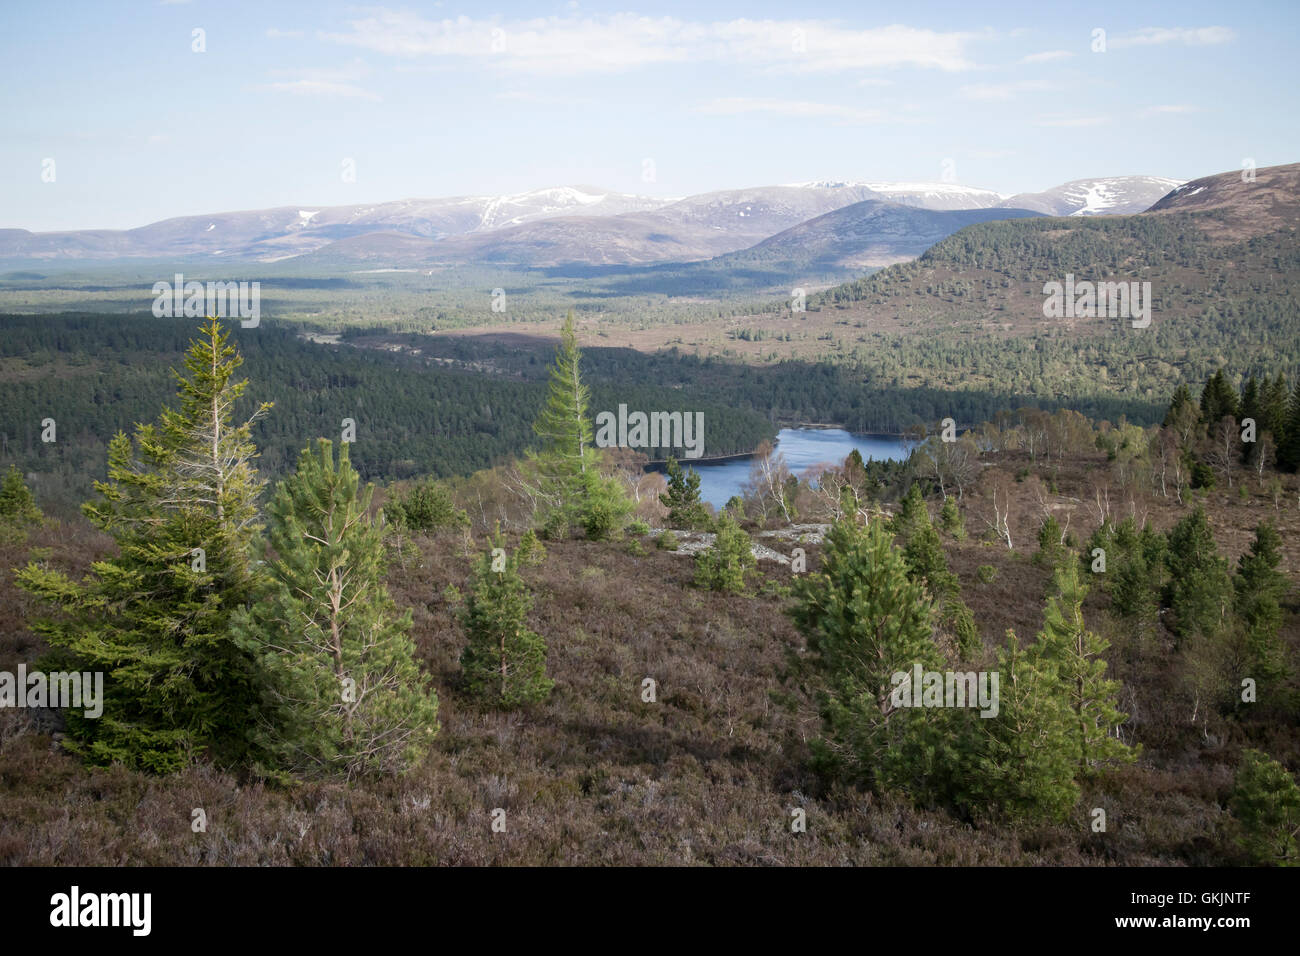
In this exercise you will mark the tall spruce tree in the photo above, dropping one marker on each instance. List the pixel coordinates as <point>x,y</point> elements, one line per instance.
<point>504,663</point>
<point>341,690</point>
<point>1199,591</point>
<point>180,504</point>
<point>1076,654</point>
<point>1260,588</point>
<point>566,470</point>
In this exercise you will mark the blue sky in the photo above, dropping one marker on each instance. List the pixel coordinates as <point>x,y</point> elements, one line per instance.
<point>440,99</point>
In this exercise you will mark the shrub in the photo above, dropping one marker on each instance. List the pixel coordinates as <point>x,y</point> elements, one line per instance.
<point>986,573</point>
<point>425,508</point>
<point>667,541</point>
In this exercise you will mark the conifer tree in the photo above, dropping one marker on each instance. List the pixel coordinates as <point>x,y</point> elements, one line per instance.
<point>341,690</point>
<point>1023,760</point>
<point>1218,400</point>
<point>950,519</point>
<point>566,470</point>
<point>504,663</point>
<point>865,620</point>
<point>1200,587</point>
<point>1260,588</point>
<point>1266,804</point>
<point>725,565</point>
<point>682,499</point>
<point>17,504</point>
<point>180,505</point>
<point>1288,442</point>
<point>1075,653</point>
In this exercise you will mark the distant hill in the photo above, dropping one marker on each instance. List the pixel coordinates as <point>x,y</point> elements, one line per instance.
<point>544,227</point>
<point>1114,196</point>
<point>865,235</point>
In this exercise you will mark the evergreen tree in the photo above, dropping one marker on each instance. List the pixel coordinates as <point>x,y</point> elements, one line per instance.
<point>1137,580</point>
<point>1051,550</point>
<point>1218,399</point>
<point>426,507</point>
<point>155,619</point>
<point>504,663</point>
<point>566,470</point>
<point>682,499</point>
<point>1288,442</point>
<point>17,504</point>
<point>1076,654</point>
<point>567,451</point>
<point>865,620</point>
<point>912,514</point>
<point>950,519</point>
<point>1266,804</point>
<point>1199,591</point>
<point>605,505</point>
<point>1260,588</point>
<point>1250,406</point>
<point>724,566</point>
<point>1274,402</point>
<point>341,688</point>
<point>1023,760</point>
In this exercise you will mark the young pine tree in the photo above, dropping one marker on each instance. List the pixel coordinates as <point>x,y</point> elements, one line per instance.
<point>865,620</point>
<point>950,519</point>
<point>1023,760</point>
<point>725,565</point>
<point>504,663</point>
<point>155,619</point>
<point>1075,654</point>
<point>1266,805</point>
<point>341,691</point>
<point>685,509</point>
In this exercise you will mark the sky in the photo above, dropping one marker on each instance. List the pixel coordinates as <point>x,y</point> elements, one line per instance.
<point>117,114</point>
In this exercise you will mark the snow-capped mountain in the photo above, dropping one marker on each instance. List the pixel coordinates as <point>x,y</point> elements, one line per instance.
<point>936,196</point>
<point>292,230</point>
<point>578,219</point>
<point>1112,196</point>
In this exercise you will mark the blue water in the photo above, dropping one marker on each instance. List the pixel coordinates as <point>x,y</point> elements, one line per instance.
<point>802,448</point>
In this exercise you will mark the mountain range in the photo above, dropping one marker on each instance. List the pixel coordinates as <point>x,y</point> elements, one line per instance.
<point>878,223</point>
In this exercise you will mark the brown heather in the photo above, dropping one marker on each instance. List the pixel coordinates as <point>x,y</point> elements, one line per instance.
<point>708,774</point>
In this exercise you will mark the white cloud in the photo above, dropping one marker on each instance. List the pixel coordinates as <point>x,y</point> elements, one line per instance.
<point>1073,121</point>
<point>1188,36</point>
<point>1047,56</point>
<point>341,82</point>
<point>1003,91</point>
<point>842,115</point>
<point>624,41</point>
